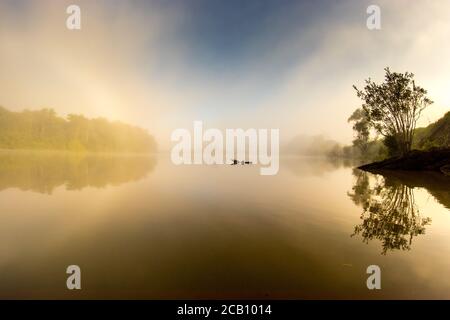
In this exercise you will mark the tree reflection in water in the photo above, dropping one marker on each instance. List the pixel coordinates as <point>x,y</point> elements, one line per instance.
<point>43,171</point>
<point>389,211</point>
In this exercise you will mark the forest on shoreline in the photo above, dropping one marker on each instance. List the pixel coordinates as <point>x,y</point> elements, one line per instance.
<point>45,130</point>
<point>384,125</point>
<point>434,136</point>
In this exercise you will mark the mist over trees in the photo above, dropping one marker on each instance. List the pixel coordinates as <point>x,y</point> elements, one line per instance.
<point>43,129</point>
<point>384,125</point>
<point>392,109</point>
<point>321,146</point>
<point>361,127</point>
<point>306,145</point>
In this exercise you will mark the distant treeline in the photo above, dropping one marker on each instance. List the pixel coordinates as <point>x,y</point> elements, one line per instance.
<point>43,129</point>
<point>435,135</point>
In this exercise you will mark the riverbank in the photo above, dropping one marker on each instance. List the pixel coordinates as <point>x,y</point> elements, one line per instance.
<point>432,160</point>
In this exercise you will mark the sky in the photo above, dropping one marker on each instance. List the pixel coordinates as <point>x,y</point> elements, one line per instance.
<point>232,64</point>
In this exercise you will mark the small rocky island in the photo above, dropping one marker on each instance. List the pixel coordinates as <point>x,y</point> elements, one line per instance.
<point>431,160</point>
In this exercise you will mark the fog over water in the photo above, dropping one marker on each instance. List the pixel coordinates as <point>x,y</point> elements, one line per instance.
<point>144,228</point>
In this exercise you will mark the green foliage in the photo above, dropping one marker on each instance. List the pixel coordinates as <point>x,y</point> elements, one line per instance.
<point>43,129</point>
<point>391,143</point>
<point>394,106</point>
<point>436,135</point>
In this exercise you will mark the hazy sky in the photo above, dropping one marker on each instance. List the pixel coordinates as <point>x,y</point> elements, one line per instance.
<point>251,64</point>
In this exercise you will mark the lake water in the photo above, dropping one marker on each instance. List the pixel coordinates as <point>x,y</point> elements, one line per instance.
<point>141,227</point>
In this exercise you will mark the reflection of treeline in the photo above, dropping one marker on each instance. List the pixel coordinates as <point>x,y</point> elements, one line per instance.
<point>389,215</point>
<point>43,129</point>
<point>437,184</point>
<point>44,171</point>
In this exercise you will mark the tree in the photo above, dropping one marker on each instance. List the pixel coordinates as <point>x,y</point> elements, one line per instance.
<point>361,126</point>
<point>392,146</point>
<point>394,106</point>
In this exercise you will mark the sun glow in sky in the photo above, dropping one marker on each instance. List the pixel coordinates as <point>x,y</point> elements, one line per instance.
<point>251,64</point>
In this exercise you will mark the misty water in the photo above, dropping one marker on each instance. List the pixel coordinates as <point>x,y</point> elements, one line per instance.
<point>141,227</point>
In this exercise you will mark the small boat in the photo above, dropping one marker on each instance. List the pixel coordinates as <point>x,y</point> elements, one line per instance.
<point>236,162</point>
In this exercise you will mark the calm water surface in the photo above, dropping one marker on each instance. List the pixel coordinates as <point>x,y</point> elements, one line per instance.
<point>140,227</point>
